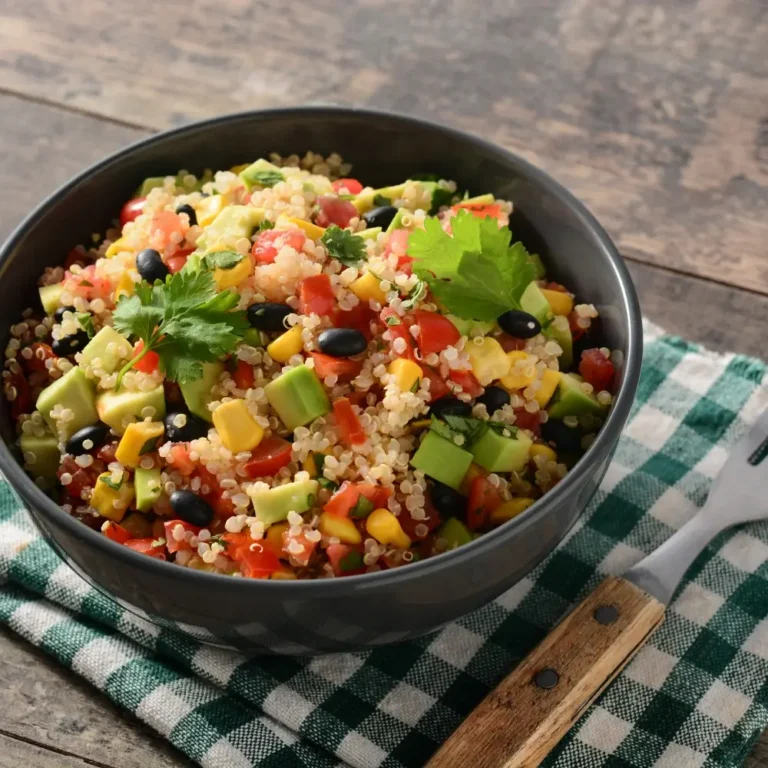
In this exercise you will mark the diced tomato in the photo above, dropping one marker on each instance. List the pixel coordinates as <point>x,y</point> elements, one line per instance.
<point>573,323</point>
<point>359,317</point>
<point>343,500</point>
<point>116,532</point>
<point>400,330</point>
<point>353,186</point>
<point>349,425</point>
<point>76,256</point>
<point>147,546</point>
<point>309,547</point>
<point>269,457</point>
<point>467,382</point>
<point>269,242</point>
<point>132,210</point>
<point>437,385</point>
<point>243,375</point>
<point>107,452</point>
<point>345,559</point>
<point>409,525</point>
<point>223,506</point>
<point>170,541</point>
<point>40,353</point>
<point>436,332</point>
<point>179,457</point>
<point>378,495</point>
<point>597,369</point>
<point>166,228</point>
<point>257,562</point>
<point>492,210</point>
<point>358,397</point>
<point>316,296</point>
<point>149,363</point>
<point>343,367</point>
<point>511,343</point>
<point>333,210</point>
<point>398,244</point>
<point>236,543</point>
<point>526,420</point>
<point>483,499</point>
<point>22,403</point>
<point>176,262</point>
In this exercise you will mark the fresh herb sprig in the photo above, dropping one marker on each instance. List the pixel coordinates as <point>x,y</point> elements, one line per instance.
<point>468,429</point>
<point>349,249</point>
<point>266,178</point>
<point>184,321</point>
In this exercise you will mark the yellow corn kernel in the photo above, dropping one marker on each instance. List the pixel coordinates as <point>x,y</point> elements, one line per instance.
<point>208,209</point>
<point>310,464</point>
<point>386,528</point>
<point>488,359</point>
<point>274,538</point>
<point>110,502</point>
<point>407,373</point>
<point>508,510</point>
<point>518,378</point>
<point>549,381</point>
<point>284,347</point>
<point>125,286</point>
<point>560,302</point>
<point>539,449</point>
<point>237,429</point>
<point>116,247</point>
<point>139,438</point>
<point>231,278</point>
<point>312,231</point>
<point>238,168</point>
<point>368,288</point>
<point>284,574</point>
<point>340,527</point>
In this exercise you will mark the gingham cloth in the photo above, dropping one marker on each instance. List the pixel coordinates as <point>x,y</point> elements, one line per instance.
<point>696,695</point>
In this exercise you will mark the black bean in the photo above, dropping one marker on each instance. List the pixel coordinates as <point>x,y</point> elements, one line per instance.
<point>342,342</point>
<point>190,211</point>
<point>381,216</point>
<point>96,433</point>
<point>449,503</point>
<point>68,345</point>
<point>565,439</point>
<point>519,324</point>
<point>268,316</point>
<point>191,508</point>
<point>450,406</point>
<point>58,315</point>
<point>151,266</point>
<point>494,398</point>
<point>193,428</point>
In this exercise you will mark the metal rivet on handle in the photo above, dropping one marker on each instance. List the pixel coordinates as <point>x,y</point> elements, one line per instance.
<point>546,678</point>
<point>606,614</point>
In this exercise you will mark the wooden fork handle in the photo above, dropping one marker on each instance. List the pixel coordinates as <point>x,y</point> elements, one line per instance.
<point>519,722</point>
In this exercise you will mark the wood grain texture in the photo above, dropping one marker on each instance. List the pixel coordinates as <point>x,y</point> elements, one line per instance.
<point>653,113</point>
<point>15,753</point>
<point>520,721</point>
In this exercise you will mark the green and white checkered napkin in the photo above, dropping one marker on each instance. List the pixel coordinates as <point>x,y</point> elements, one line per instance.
<point>696,695</point>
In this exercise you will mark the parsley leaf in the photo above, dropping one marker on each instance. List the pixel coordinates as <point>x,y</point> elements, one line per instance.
<point>222,259</point>
<point>329,485</point>
<point>468,430</point>
<point>349,249</point>
<point>85,320</point>
<point>265,224</point>
<point>352,561</point>
<point>184,320</point>
<point>476,274</point>
<point>265,178</point>
<point>380,200</point>
<point>363,507</point>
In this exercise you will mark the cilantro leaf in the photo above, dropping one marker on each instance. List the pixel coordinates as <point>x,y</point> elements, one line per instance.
<point>475,273</point>
<point>85,320</point>
<point>440,199</point>
<point>349,249</point>
<point>265,224</point>
<point>505,430</point>
<point>223,259</point>
<point>265,178</point>
<point>380,200</point>
<point>415,295</point>
<point>468,429</point>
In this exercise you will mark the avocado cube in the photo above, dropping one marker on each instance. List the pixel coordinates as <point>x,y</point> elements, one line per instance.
<point>442,460</point>
<point>472,327</point>
<point>41,456</point>
<point>148,487</point>
<point>564,338</point>
<point>535,303</point>
<point>99,348</point>
<point>273,505</point>
<point>72,391</point>
<point>298,397</point>
<point>364,201</point>
<point>49,297</point>
<point>119,409</point>
<point>572,400</point>
<point>233,223</point>
<point>197,393</point>
<point>454,532</point>
<point>250,175</point>
<point>497,453</point>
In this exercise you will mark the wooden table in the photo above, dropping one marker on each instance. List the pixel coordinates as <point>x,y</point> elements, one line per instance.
<point>653,113</point>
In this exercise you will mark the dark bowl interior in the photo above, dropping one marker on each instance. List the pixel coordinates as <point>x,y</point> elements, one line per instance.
<point>361,611</point>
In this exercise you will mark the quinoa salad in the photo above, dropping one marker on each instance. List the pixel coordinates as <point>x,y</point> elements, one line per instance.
<point>274,371</point>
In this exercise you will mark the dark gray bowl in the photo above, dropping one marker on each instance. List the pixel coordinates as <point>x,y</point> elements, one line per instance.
<point>358,611</point>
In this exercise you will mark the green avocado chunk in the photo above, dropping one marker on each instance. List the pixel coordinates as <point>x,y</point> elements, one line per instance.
<point>273,505</point>
<point>572,400</point>
<point>535,303</point>
<point>250,176</point>
<point>454,532</point>
<point>49,297</point>
<point>148,487</point>
<point>565,339</point>
<point>197,393</point>
<point>442,460</point>
<point>497,453</point>
<point>98,347</point>
<point>72,391</point>
<point>118,409</point>
<point>298,397</point>
<point>233,223</point>
<point>41,456</point>
<point>472,327</point>
<point>370,234</point>
<point>397,222</point>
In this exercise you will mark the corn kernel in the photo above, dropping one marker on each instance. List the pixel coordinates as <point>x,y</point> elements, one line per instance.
<point>284,347</point>
<point>125,286</point>
<point>139,438</point>
<point>237,429</point>
<point>340,527</point>
<point>539,449</point>
<point>312,231</point>
<point>116,247</point>
<point>386,528</point>
<point>475,470</point>
<point>104,497</point>
<point>516,378</point>
<point>549,381</point>
<point>560,302</point>
<point>274,538</point>
<point>508,510</point>
<point>231,278</point>
<point>407,373</point>
<point>208,209</point>
<point>488,359</point>
<point>368,288</point>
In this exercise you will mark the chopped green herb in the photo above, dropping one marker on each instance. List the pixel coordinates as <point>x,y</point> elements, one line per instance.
<point>415,295</point>
<point>149,445</point>
<point>416,385</point>
<point>110,483</point>
<point>310,500</point>
<point>465,427</point>
<point>86,284</point>
<point>319,460</point>
<point>362,508</point>
<point>265,178</point>
<point>349,249</point>
<point>265,224</point>
<point>85,319</point>
<point>223,259</point>
<point>393,320</point>
<point>440,199</point>
<point>329,485</point>
<point>352,561</point>
<point>505,430</point>
<point>380,200</point>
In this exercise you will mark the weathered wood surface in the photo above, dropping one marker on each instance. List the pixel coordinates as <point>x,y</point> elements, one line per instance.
<point>652,112</point>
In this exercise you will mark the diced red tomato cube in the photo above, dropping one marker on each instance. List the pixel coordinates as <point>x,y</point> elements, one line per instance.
<point>132,210</point>
<point>257,561</point>
<point>399,328</point>
<point>573,323</point>
<point>527,420</point>
<point>467,382</point>
<point>398,244</point>
<point>147,546</point>
<point>343,367</point>
<point>243,375</point>
<point>359,317</point>
<point>597,369</point>
<point>171,542</point>
<point>40,354</point>
<point>352,186</point>
<point>176,262</point>
<point>482,211</point>
<point>333,210</point>
<point>346,560</point>
<point>268,457</point>
<point>308,547</point>
<point>349,425</point>
<point>343,500</point>
<point>436,332</point>
<point>316,296</point>
<point>269,242</point>
<point>378,495</point>
<point>437,385</point>
<point>413,528</point>
<point>483,499</point>
<point>179,457</point>
<point>23,402</point>
<point>149,363</point>
<point>116,532</point>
